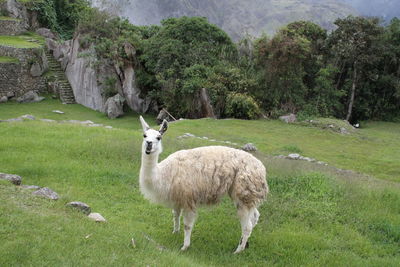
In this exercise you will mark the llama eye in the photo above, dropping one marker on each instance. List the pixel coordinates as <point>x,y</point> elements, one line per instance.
<point>158,138</point>
<point>144,136</point>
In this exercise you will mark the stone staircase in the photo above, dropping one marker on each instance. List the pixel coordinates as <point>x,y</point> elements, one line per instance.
<point>65,89</point>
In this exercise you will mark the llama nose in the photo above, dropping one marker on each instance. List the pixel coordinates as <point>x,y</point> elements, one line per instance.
<point>149,143</point>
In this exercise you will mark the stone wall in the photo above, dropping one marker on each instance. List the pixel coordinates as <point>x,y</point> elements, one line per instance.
<point>11,27</point>
<point>24,76</point>
<point>10,74</point>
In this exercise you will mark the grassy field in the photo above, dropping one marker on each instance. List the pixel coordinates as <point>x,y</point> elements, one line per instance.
<point>311,218</point>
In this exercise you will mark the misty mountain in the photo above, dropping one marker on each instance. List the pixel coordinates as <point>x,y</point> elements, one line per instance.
<point>236,17</point>
<point>387,9</point>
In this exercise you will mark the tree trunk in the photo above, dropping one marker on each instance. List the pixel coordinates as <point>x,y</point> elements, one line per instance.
<point>353,90</point>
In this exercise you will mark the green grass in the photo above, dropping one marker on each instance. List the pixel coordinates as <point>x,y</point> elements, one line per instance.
<point>311,218</point>
<point>28,40</point>
<point>4,59</point>
<point>8,18</point>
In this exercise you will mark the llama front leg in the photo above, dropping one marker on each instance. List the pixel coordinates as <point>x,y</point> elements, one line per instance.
<point>177,217</point>
<point>189,218</point>
<point>246,217</point>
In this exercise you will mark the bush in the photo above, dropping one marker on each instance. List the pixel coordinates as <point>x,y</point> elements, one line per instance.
<point>241,106</point>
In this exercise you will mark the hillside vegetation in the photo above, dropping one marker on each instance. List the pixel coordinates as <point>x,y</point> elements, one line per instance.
<point>312,217</point>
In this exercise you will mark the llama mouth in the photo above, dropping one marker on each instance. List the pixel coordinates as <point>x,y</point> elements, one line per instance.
<point>148,152</point>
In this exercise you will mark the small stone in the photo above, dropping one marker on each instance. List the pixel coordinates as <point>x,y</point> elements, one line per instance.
<point>213,140</point>
<point>249,147</point>
<point>80,206</point>
<point>12,120</point>
<point>15,179</point>
<point>205,137</point>
<point>294,156</point>
<point>331,126</point>
<point>343,130</point>
<point>28,117</point>
<point>95,125</point>
<point>3,99</point>
<point>228,142</point>
<point>96,217</point>
<point>47,193</point>
<point>307,159</point>
<point>108,127</point>
<point>189,135</point>
<point>320,162</point>
<point>30,187</point>
<point>58,112</point>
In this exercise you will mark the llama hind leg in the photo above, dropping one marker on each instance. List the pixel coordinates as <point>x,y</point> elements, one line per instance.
<point>246,216</point>
<point>189,218</point>
<point>177,217</point>
<point>254,218</point>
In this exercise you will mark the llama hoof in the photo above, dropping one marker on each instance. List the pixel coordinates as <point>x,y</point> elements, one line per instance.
<point>184,248</point>
<point>237,251</point>
<point>175,231</point>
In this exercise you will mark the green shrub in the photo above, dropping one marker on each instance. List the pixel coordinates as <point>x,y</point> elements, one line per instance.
<point>241,106</point>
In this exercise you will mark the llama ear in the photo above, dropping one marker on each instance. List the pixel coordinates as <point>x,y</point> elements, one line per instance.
<point>164,127</point>
<point>145,126</point>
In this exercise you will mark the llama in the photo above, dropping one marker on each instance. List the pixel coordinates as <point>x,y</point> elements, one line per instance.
<point>187,179</point>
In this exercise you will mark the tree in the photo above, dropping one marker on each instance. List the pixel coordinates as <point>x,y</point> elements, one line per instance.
<point>171,53</point>
<point>355,48</point>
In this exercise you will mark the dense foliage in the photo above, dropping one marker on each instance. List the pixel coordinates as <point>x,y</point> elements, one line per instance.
<point>351,73</point>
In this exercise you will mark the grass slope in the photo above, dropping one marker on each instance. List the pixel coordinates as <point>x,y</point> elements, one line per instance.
<point>4,59</point>
<point>27,40</point>
<point>310,218</point>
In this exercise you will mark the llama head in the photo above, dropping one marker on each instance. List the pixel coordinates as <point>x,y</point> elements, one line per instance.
<point>152,138</point>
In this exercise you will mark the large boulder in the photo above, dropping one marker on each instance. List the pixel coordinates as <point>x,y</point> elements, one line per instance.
<point>291,118</point>
<point>114,106</point>
<point>46,33</point>
<point>3,99</point>
<point>30,97</point>
<point>16,10</point>
<point>36,70</point>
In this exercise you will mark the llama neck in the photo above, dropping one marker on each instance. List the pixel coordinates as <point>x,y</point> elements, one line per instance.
<point>148,169</point>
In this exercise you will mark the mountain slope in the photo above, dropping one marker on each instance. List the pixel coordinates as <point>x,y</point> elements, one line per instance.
<point>236,17</point>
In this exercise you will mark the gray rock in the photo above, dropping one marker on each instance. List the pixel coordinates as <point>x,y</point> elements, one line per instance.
<point>30,187</point>
<point>46,33</point>
<point>12,120</point>
<point>83,207</point>
<point>249,147</point>
<point>3,99</point>
<point>108,127</point>
<point>47,193</point>
<point>15,179</point>
<point>288,118</point>
<point>10,94</point>
<point>28,117</point>
<point>162,115</point>
<point>36,70</point>
<point>95,125</point>
<point>189,135</point>
<point>58,112</point>
<point>96,217</point>
<point>114,106</point>
<point>344,130</point>
<point>51,44</point>
<point>294,156</point>
<point>29,97</point>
